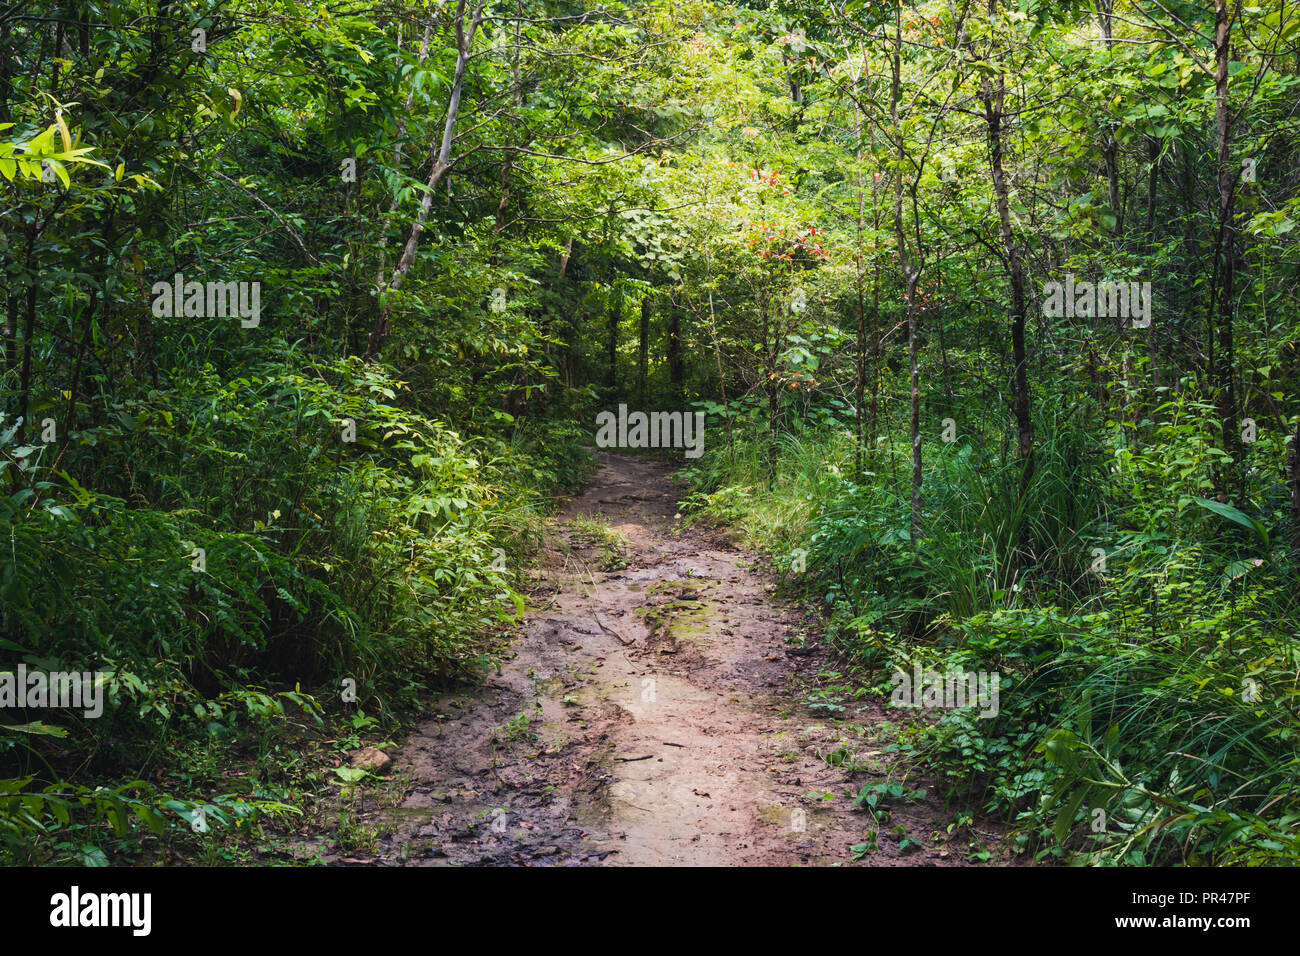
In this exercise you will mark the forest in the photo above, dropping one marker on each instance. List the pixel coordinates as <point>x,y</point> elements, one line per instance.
<point>961,335</point>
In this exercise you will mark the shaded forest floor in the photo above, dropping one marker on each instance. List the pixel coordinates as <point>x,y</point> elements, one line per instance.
<point>654,709</point>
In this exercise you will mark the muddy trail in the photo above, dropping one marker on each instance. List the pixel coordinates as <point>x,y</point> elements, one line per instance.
<point>652,710</point>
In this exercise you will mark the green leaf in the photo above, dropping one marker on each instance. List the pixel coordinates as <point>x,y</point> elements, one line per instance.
<point>37,727</point>
<point>1065,819</point>
<point>1236,516</point>
<point>151,817</point>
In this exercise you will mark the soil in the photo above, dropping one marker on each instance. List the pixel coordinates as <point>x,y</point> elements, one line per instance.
<point>654,710</point>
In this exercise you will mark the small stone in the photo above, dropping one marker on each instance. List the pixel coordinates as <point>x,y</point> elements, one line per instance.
<point>372,759</point>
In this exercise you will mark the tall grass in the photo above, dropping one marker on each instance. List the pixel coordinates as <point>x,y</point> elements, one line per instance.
<point>1148,708</point>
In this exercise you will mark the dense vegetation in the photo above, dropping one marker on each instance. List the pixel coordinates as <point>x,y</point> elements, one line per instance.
<point>831,227</point>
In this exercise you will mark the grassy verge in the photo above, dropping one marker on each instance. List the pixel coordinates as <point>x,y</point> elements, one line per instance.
<point>1143,637</point>
<point>330,555</point>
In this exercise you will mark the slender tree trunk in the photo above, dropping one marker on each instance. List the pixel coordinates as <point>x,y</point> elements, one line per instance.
<point>722,381</point>
<point>499,222</point>
<point>676,370</point>
<point>25,374</point>
<point>643,349</point>
<point>1153,342</point>
<point>6,73</point>
<point>564,260</point>
<point>12,352</point>
<point>860,381</point>
<point>993,95</point>
<point>615,314</point>
<point>568,358</point>
<point>910,277</point>
<point>1109,147</point>
<point>771,386</point>
<point>1294,454</point>
<point>1225,258</point>
<point>1153,180</point>
<point>441,162</point>
<point>11,333</point>
<point>877,345</point>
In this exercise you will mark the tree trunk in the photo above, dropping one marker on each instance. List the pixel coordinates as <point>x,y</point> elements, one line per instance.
<point>993,94</point>
<point>25,374</point>
<point>1109,147</point>
<point>1294,454</point>
<point>615,314</point>
<point>676,371</point>
<point>860,379</point>
<point>722,381</point>
<point>1153,342</point>
<point>440,164</point>
<point>1225,258</point>
<point>910,277</point>
<point>770,385</point>
<point>643,349</point>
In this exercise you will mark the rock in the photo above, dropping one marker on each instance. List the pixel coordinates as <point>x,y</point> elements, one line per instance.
<point>372,759</point>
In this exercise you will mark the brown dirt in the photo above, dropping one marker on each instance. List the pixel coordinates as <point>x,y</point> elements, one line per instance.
<point>651,713</point>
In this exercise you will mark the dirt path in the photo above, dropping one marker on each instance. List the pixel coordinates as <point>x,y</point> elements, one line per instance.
<point>651,713</point>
